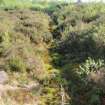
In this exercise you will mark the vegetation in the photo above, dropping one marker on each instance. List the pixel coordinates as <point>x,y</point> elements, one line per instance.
<point>58,46</point>
<point>23,51</point>
<point>79,38</point>
<point>31,4</point>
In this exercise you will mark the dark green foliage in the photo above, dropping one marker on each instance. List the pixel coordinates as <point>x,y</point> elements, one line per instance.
<point>80,29</point>
<point>80,50</point>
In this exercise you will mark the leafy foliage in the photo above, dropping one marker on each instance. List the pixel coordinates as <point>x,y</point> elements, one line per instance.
<point>90,66</point>
<point>65,55</point>
<point>79,46</point>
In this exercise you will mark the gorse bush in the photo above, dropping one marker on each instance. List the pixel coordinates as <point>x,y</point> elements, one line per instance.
<point>80,37</point>
<point>68,18</point>
<point>80,49</point>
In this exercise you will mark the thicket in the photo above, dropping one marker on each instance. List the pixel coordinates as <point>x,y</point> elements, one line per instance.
<point>62,50</point>
<point>79,50</point>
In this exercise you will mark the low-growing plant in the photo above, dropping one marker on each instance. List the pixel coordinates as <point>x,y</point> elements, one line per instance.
<point>16,64</point>
<point>90,65</point>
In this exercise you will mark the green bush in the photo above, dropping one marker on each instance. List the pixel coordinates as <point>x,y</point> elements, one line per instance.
<point>74,18</point>
<point>80,43</point>
<point>80,35</point>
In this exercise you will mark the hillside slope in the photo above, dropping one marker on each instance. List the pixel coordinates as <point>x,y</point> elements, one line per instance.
<point>50,57</point>
<point>25,37</point>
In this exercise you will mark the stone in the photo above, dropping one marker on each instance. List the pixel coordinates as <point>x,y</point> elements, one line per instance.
<point>3,77</point>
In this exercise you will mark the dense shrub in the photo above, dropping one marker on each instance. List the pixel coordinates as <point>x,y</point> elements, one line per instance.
<point>80,49</point>
<point>80,35</point>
